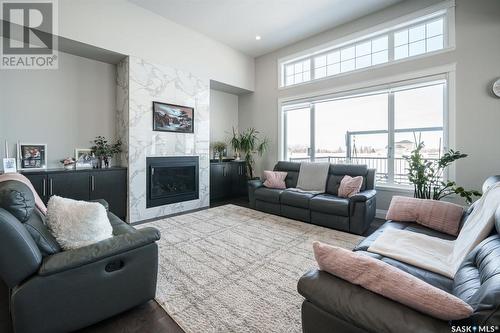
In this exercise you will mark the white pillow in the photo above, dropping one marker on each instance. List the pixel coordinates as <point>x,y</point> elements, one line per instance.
<point>75,224</point>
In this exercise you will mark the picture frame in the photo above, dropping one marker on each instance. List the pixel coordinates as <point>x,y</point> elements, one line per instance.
<point>9,165</point>
<point>173,118</point>
<point>32,156</point>
<point>84,158</point>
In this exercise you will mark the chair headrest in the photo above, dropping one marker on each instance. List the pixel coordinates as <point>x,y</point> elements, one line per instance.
<point>17,199</point>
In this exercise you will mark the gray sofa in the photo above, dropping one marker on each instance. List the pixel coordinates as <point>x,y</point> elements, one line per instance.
<point>60,291</point>
<point>353,214</point>
<point>332,302</point>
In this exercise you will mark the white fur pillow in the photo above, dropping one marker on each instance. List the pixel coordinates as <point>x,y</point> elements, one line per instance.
<point>75,224</point>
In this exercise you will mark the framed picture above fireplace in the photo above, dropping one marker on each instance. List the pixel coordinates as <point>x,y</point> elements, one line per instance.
<point>173,118</point>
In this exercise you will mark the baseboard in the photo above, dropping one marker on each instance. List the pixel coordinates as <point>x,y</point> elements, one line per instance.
<point>381,213</point>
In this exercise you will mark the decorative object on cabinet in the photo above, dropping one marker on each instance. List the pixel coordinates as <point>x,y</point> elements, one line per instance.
<point>84,158</point>
<point>32,156</point>
<point>105,151</point>
<point>68,163</point>
<point>219,148</point>
<point>9,163</point>
<point>173,118</point>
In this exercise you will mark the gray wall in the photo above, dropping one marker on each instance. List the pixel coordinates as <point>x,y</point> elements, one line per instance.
<point>477,56</point>
<point>64,108</point>
<point>223,115</point>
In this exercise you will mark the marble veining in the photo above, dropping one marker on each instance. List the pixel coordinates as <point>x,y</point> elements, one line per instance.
<point>147,83</point>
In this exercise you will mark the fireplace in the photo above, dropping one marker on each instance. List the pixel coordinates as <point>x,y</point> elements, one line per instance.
<point>171,179</point>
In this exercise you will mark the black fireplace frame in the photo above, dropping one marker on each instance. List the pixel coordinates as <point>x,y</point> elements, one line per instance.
<point>170,161</point>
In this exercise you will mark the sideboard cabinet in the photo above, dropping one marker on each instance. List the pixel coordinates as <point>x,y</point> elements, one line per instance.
<point>109,184</point>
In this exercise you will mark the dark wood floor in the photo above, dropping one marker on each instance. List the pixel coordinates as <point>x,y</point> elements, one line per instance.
<point>146,318</point>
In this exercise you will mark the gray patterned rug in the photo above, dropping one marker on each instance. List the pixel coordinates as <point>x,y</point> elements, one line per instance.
<point>233,269</point>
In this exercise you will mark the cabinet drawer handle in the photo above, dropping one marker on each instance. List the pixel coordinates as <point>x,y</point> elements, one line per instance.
<point>44,187</point>
<point>92,182</point>
<point>51,186</point>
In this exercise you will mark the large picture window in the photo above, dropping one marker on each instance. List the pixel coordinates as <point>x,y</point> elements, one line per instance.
<point>376,128</point>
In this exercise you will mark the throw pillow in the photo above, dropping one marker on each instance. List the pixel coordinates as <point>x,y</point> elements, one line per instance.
<point>438,215</point>
<point>350,186</point>
<point>76,224</point>
<point>275,179</point>
<point>390,282</point>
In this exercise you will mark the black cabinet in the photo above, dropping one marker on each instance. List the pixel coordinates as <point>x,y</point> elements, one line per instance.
<point>87,184</point>
<point>227,180</point>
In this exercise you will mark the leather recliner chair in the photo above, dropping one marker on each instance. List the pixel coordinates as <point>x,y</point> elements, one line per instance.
<point>60,291</point>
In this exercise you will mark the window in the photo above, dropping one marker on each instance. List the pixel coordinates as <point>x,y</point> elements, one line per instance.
<point>423,38</point>
<point>377,128</point>
<point>424,34</point>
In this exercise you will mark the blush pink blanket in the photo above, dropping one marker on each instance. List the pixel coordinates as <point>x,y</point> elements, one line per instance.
<point>389,281</point>
<point>16,176</point>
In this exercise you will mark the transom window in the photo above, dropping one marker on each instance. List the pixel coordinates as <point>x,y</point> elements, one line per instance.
<point>377,128</point>
<point>422,35</point>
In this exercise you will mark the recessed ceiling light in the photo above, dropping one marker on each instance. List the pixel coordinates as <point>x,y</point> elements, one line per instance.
<point>258,37</point>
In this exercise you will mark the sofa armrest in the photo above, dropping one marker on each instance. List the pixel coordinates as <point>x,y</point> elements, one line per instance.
<point>363,196</point>
<point>363,308</point>
<point>253,184</point>
<point>67,260</point>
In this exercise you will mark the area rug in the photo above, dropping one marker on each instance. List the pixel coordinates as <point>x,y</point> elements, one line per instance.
<point>234,269</point>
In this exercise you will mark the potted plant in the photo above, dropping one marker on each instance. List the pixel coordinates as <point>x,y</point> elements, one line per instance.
<point>219,147</point>
<point>235,144</point>
<point>104,151</point>
<point>248,144</point>
<point>427,175</point>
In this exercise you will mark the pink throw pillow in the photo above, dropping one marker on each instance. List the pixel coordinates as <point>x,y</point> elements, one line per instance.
<point>390,282</point>
<point>350,186</point>
<point>275,179</point>
<point>438,215</point>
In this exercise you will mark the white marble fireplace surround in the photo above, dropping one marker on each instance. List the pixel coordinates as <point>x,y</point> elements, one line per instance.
<point>139,83</point>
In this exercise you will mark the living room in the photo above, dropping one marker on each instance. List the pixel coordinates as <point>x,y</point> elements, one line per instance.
<point>277,166</point>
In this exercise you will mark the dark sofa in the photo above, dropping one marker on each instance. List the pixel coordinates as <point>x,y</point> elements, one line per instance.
<point>332,302</point>
<point>327,209</point>
<point>60,291</point>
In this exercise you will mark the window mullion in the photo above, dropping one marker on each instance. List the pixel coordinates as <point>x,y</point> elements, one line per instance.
<point>390,138</point>
<point>312,131</point>
<point>390,45</point>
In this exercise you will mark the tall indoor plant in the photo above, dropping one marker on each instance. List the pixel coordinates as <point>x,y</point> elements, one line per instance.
<point>427,175</point>
<point>249,143</point>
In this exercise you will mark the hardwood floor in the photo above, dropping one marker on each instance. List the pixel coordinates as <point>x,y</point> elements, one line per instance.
<point>145,318</point>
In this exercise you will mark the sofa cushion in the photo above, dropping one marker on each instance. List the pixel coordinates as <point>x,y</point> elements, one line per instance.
<point>296,199</point>
<point>292,169</point>
<point>338,171</point>
<point>330,204</point>
<point>268,194</point>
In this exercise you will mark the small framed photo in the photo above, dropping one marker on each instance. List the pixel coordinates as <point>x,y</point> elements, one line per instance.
<point>84,158</point>
<point>32,156</point>
<point>9,165</point>
<point>173,118</point>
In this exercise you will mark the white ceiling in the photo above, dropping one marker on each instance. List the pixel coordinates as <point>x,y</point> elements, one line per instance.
<point>279,22</point>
